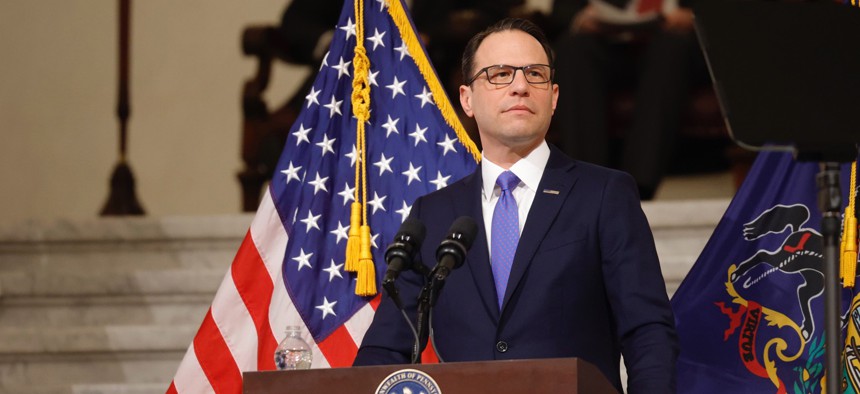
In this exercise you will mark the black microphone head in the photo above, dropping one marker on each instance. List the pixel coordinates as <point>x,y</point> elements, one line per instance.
<point>412,231</point>
<point>451,252</point>
<point>464,229</point>
<point>460,237</point>
<point>406,243</point>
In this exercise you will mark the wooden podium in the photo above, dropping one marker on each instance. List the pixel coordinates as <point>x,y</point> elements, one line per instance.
<point>560,375</point>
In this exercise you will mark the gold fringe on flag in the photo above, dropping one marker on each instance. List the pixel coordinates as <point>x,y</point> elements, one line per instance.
<point>358,255</point>
<point>398,15</point>
<point>848,247</point>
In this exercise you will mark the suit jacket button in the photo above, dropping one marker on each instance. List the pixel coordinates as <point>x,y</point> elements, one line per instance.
<point>502,346</point>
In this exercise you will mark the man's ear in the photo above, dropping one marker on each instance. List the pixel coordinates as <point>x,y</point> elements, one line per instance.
<point>466,100</point>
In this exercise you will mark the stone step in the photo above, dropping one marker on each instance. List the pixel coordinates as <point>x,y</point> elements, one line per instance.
<point>53,358</point>
<point>149,372</point>
<point>166,309</point>
<point>25,341</point>
<point>112,282</point>
<point>106,388</point>
<point>139,388</point>
<point>681,230</point>
<point>95,245</point>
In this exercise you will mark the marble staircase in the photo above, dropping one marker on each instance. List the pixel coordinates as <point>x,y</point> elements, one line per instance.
<point>106,305</point>
<point>110,305</point>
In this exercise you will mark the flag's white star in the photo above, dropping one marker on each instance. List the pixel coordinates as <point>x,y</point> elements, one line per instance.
<point>303,259</point>
<point>353,156</point>
<point>342,68</point>
<point>371,78</point>
<point>404,212</point>
<point>348,193</point>
<point>377,202</point>
<point>311,221</point>
<point>312,96</point>
<point>292,172</point>
<point>373,238</point>
<point>377,38</point>
<point>396,87</point>
<point>404,51</point>
<point>319,183</point>
<point>418,134</point>
<point>326,145</point>
<point>426,97</point>
<point>341,232</point>
<point>384,164</point>
<point>333,270</point>
<point>302,134</point>
<point>391,126</point>
<point>448,145</point>
<point>349,28</point>
<point>412,174</point>
<point>325,60</point>
<point>333,107</point>
<point>440,181</point>
<point>382,4</point>
<point>327,308</point>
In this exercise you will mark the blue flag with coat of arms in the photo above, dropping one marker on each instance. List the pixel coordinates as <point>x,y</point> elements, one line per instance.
<point>750,313</point>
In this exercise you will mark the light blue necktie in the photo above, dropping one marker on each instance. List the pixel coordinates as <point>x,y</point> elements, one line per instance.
<point>506,233</point>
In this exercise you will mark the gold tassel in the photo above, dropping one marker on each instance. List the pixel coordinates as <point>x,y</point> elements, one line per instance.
<point>848,246</point>
<point>353,243</point>
<point>366,283</point>
<point>849,251</point>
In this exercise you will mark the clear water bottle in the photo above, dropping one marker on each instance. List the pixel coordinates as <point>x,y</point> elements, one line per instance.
<point>293,352</point>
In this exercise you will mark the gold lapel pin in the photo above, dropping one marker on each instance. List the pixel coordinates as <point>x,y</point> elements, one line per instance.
<point>548,191</point>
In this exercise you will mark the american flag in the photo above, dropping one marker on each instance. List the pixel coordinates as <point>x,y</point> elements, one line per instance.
<point>289,269</point>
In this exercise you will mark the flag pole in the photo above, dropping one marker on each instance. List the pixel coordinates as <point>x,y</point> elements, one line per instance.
<point>829,202</point>
<point>122,199</point>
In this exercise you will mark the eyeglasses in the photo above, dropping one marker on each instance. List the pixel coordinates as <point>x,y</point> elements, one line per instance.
<point>502,74</point>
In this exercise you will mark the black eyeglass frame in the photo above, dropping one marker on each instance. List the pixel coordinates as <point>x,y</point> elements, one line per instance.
<point>485,70</point>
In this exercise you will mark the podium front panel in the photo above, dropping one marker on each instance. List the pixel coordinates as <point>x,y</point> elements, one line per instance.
<point>567,375</point>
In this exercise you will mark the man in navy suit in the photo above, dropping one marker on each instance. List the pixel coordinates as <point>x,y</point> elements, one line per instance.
<point>581,278</point>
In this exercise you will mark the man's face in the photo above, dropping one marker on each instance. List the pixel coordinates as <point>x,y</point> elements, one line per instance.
<point>516,115</point>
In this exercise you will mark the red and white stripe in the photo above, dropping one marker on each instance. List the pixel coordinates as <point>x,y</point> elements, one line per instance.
<point>249,313</point>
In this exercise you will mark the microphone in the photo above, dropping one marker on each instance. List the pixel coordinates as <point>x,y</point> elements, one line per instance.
<point>399,256</point>
<point>452,250</point>
<point>400,253</point>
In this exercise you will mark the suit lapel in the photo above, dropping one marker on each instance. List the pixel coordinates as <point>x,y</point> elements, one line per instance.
<point>555,185</point>
<point>478,257</point>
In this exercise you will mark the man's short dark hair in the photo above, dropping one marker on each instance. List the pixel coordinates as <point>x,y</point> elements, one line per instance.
<point>524,25</point>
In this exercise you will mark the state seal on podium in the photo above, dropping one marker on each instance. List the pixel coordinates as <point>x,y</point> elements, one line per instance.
<point>408,381</point>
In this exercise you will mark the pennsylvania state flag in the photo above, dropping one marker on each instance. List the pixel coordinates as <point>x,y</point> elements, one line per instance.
<point>750,313</point>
